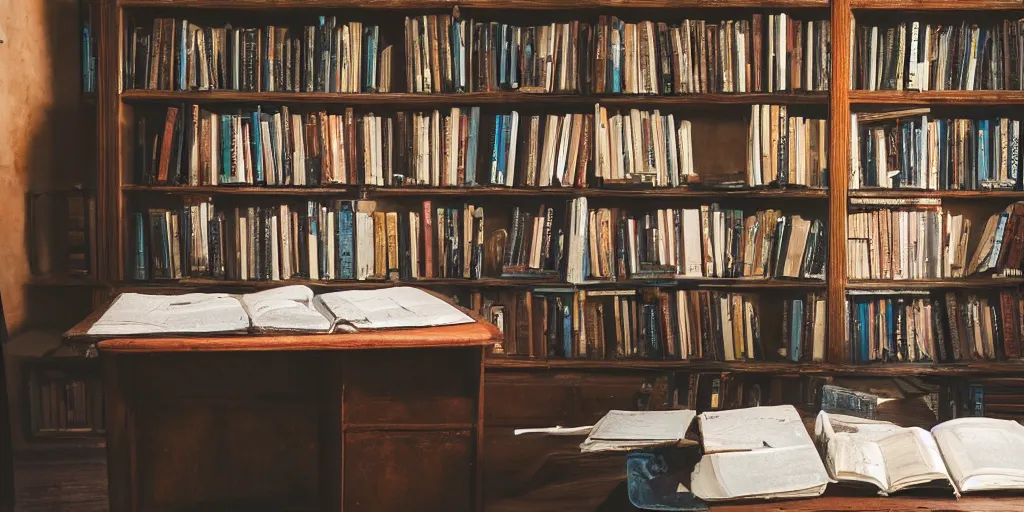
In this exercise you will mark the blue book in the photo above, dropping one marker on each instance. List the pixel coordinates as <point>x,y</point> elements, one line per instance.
<point>616,66</point>
<point>862,315</point>
<point>141,270</point>
<point>906,156</point>
<point>920,176</point>
<point>457,59</point>
<point>567,328</point>
<point>506,141</point>
<point>796,329</point>
<point>474,134</point>
<point>513,79</point>
<point>370,64</point>
<point>997,245</point>
<point>225,148</point>
<point>494,151</point>
<point>503,64</point>
<point>183,56</point>
<point>983,153</point>
<point>346,242</point>
<point>257,148</point>
<point>890,320</point>
<point>86,60</point>
<point>978,399</point>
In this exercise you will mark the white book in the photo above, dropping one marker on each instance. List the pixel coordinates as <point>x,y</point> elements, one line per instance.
<point>453,146</point>
<point>924,58</point>
<point>782,53</point>
<point>389,308</point>
<point>692,244</point>
<point>759,452</point>
<point>912,81</point>
<point>364,245</point>
<point>754,151</point>
<point>631,430</point>
<point>873,56</point>
<point>673,151</point>
<point>510,166</point>
<point>329,246</point>
<point>137,313</point>
<point>275,249</point>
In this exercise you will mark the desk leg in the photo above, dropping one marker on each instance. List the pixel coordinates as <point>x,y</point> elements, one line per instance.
<point>479,433</point>
<point>120,483</point>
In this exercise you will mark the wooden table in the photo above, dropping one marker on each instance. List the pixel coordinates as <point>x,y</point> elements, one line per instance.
<point>369,421</point>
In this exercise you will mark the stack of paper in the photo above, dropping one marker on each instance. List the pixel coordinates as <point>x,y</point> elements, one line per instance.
<point>633,430</point>
<point>760,452</point>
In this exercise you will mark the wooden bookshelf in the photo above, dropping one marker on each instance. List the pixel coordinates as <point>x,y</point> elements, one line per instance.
<point>119,195</point>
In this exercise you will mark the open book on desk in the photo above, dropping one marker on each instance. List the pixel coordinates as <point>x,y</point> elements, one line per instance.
<point>758,452</point>
<point>290,308</point>
<point>879,453</point>
<point>633,430</point>
<point>972,454</point>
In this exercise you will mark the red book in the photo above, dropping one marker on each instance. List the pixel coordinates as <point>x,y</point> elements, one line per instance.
<point>166,144</point>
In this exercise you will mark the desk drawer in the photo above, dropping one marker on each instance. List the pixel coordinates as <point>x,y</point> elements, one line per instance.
<point>434,386</point>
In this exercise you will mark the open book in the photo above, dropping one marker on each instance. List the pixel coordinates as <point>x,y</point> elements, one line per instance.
<point>289,308</point>
<point>632,430</point>
<point>974,454</point>
<point>758,452</point>
<point>880,453</point>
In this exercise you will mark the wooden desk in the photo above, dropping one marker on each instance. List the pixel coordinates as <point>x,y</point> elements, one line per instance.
<point>368,421</point>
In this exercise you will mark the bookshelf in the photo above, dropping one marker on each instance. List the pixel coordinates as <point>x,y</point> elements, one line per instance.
<point>721,126</point>
<point>119,106</point>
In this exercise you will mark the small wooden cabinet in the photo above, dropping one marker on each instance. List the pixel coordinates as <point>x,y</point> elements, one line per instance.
<point>354,422</point>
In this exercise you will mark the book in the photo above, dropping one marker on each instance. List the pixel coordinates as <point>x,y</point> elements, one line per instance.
<point>633,430</point>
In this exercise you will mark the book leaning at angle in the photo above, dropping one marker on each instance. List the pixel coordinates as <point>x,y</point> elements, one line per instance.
<point>289,308</point>
<point>970,454</point>
<point>758,452</point>
<point>633,430</point>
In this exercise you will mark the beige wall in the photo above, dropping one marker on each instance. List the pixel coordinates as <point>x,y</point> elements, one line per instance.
<point>40,135</point>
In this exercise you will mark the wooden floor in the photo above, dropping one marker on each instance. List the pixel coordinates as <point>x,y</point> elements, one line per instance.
<point>60,481</point>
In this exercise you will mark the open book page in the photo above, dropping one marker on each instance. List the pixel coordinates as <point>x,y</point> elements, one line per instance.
<point>789,472</point>
<point>137,313</point>
<point>389,308</point>
<point>982,453</point>
<point>912,458</point>
<point>626,430</point>
<point>287,308</point>
<point>850,452</point>
<point>753,428</point>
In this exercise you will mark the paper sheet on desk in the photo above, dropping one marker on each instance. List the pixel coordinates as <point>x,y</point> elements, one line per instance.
<point>390,308</point>
<point>137,313</point>
<point>752,429</point>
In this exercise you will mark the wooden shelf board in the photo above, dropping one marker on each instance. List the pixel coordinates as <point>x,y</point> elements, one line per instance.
<point>937,97</point>
<point>487,282</point>
<point>474,4</point>
<point>943,194</point>
<point>242,190</point>
<point>937,5</point>
<point>927,284</point>
<point>382,192</point>
<point>595,192</point>
<point>472,98</point>
<point>881,369</point>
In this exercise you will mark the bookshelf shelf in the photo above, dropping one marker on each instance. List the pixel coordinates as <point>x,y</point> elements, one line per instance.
<point>928,284</point>
<point>474,4</point>
<point>415,100</point>
<point>967,98</point>
<point>942,194</point>
<point>231,190</point>
<point>482,191</point>
<point>882,369</point>
<point>934,5</point>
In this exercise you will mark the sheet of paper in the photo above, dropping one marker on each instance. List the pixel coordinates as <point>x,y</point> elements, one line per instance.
<point>137,313</point>
<point>982,453</point>
<point>389,308</point>
<point>794,471</point>
<point>555,431</point>
<point>753,428</point>
<point>912,458</point>
<point>285,308</point>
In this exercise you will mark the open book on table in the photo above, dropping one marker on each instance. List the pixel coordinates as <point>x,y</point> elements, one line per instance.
<point>879,453</point>
<point>758,452</point>
<point>289,308</point>
<point>634,430</point>
<point>971,454</point>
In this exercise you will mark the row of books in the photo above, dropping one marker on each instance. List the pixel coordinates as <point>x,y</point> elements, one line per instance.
<point>786,150</point>
<point>328,56</point>
<point>458,147</point>
<point>920,56</point>
<point>334,240</point>
<point>923,328</point>
<point>925,243</point>
<point>908,149</point>
<point>447,54</point>
<point>61,403</point>
<point>708,241</point>
<point>649,323</point>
